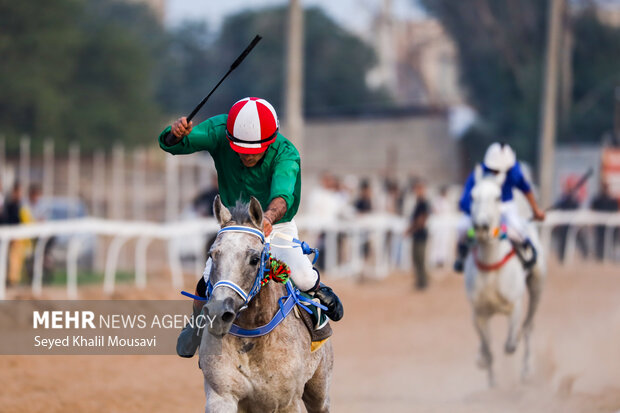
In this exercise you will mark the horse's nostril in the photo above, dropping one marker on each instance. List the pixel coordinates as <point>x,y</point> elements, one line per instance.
<point>228,316</point>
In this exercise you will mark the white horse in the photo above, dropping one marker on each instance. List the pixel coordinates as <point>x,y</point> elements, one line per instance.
<point>495,277</point>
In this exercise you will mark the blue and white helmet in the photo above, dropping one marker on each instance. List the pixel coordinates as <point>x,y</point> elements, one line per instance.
<point>500,157</point>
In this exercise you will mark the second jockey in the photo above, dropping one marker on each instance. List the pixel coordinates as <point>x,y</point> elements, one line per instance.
<point>252,159</point>
<point>500,159</point>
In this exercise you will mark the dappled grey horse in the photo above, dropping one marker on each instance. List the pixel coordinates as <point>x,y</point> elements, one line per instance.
<point>496,279</point>
<point>276,372</point>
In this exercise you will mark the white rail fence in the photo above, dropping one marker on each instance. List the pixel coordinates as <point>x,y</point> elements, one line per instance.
<point>343,243</point>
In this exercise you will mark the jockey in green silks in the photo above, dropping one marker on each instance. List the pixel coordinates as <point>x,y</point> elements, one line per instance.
<point>252,159</point>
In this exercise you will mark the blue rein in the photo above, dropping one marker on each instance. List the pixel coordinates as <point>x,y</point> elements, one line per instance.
<point>286,303</point>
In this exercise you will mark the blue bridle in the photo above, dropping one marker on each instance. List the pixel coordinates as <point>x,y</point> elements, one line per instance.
<point>264,267</point>
<point>286,303</point>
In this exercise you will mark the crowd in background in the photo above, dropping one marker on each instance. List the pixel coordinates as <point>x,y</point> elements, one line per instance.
<point>349,197</point>
<point>16,209</point>
<point>344,198</point>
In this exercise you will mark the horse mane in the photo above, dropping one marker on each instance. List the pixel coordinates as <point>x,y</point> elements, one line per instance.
<point>240,214</point>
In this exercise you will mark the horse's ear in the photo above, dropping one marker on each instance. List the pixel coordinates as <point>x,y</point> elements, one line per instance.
<point>220,212</point>
<point>256,213</point>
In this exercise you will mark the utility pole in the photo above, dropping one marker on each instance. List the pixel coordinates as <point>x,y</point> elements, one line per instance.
<point>295,75</point>
<point>48,168</point>
<point>617,116</point>
<point>548,113</point>
<point>24,165</point>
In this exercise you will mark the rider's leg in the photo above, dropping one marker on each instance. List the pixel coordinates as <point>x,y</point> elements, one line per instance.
<point>304,276</point>
<point>189,339</point>
<point>517,233</point>
<point>462,247</point>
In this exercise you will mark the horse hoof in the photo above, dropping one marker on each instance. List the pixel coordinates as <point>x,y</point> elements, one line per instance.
<point>510,348</point>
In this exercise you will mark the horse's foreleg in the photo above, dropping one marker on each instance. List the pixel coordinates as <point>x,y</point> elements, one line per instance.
<point>316,390</point>
<point>513,327</point>
<point>217,403</point>
<point>485,358</point>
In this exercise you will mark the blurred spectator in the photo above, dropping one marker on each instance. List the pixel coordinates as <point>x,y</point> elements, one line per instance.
<point>327,202</point>
<point>14,214</point>
<point>32,209</point>
<point>602,202</point>
<point>408,202</point>
<point>441,237</point>
<point>393,200</point>
<point>203,203</point>
<point>363,204</point>
<point>1,204</point>
<point>324,201</point>
<point>418,230</point>
<point>568,202</point>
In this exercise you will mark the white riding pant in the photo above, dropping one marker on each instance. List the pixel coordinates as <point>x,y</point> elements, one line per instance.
<point>516,225</point>
<point>303,275</point>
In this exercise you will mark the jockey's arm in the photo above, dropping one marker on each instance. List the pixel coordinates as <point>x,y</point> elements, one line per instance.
<point>539,214</point>
<point>275,211</point>
<point>185,138</point>
<point>524,186</point>
<point>283,183</point>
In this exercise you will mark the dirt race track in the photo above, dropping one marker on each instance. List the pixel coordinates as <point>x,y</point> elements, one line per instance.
<point>396,351</point>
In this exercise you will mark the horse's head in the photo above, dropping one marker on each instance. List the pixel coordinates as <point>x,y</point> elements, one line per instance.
<point>236,261</point>
<point>485,208</point>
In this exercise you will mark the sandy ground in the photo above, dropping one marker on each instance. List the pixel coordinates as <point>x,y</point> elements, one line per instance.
<point>396,350</point>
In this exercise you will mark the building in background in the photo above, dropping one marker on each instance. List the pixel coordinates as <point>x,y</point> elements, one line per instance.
<point>608,12</point>
<point>401,143</point>
<point>426,64</point>
<point>417,60</point>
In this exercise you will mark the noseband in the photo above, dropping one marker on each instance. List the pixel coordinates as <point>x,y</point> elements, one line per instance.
<point>264,267</point>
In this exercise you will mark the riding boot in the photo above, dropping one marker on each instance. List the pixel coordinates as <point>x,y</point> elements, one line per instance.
<point>522,252</point>
<point>461,253</point>
<point>189,339</point>
<point>329,299</point>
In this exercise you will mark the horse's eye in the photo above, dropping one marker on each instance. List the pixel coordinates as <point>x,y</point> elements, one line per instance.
<point>254,260</point>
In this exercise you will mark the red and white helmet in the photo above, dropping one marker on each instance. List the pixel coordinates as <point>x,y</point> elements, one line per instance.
<point>252,126</point>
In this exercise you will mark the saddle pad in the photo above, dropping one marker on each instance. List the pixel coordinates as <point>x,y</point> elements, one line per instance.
<point>317,323</point>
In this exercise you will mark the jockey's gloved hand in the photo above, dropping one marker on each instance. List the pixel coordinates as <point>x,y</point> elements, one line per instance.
<point>329,299</point>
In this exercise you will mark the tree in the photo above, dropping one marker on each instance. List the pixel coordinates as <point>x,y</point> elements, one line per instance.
<point>113,98</point>
<point>335,65</point>
<point>39,40</point>
<point>78,70</point>
<point>501,49</point>
<point>596,75</point>
<point>500,45</point>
